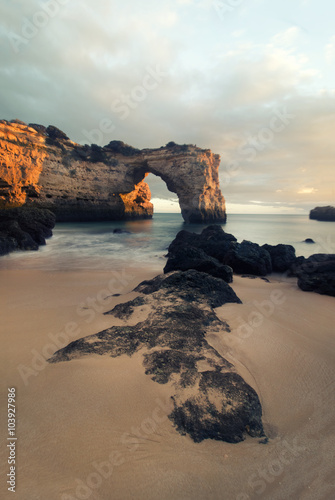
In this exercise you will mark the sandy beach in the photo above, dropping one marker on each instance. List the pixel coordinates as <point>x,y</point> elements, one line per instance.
<point>97,427</point>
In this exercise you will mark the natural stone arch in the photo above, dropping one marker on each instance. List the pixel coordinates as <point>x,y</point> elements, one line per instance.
<point>88,183</point>
<point>193,177</point>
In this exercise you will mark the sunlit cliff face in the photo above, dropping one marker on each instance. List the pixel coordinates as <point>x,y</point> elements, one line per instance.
<point>44,168</point>
<point>20,172</point>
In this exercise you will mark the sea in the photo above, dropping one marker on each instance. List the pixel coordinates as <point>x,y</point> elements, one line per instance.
<point>144,244</point>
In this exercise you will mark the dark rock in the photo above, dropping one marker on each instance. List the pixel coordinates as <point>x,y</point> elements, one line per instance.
<point>309,240</point>
<point>238,412</point>
<point>13,231</point>
<point>55,134</point>
<point>41,129</point>
<point>245,257</point>
<point>317,274</point>
<point>123,311</point>
<point>213,240</point>
<point>326,214</point>
<point>121,231</point>
<point>16,120</point>
<point>162,364</point>
<point>188,257</point>
<point>192,286</point>
<point>184,238</point>
<point>7,244</point>
<point>173,339</point>
<point>282,256</point>
<point>122,148</point>
<point>296,265</point>
<point>37,222</point>
<point>249,258</point>
<point>24,228</point>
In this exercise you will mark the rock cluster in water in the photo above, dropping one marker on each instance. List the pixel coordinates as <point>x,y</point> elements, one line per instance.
<point>218,253</point>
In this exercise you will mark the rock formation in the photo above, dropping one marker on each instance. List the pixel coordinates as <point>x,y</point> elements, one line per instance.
<point>24,229</point>
<point>210,399</point>
<point>42,167</point>
<point>317,274</point>
<point>323,214</point>
<point>218,254</point>
<point>245,257</point>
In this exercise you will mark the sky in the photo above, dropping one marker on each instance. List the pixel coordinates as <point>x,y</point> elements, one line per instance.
<point>253,80</point>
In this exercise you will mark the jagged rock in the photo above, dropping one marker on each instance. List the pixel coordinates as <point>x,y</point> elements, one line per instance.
<point>24,229</point>
<point>124,311</point>
<point>210,400</point>
<point>186,258</point>
<point>222,410</point>
<point>192,286</point>
<point>326,214</point>
<point>245,257</point>
<point>41,167</point>
<point>296,265</point>
<point>54,133</point>
<point>248,258</point>
<point>19,122</point>
<point>213,240</point>
<point>39,128</point>
<point>317,274</point>
<point>7,244</point>
<point>282,256</point>
<point>21,239</point>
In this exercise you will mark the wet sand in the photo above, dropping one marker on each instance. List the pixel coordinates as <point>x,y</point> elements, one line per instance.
<point>97,428</point>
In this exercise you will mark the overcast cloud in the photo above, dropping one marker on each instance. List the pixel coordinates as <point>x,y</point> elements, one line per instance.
<point>253,80</point>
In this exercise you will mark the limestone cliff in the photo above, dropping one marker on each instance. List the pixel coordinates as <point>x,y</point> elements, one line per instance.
<point>42,167</point>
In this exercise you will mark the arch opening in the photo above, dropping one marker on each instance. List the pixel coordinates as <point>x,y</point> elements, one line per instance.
<point>163,200</point>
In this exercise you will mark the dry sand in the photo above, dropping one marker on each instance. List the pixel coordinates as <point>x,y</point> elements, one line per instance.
<point>77,421</point>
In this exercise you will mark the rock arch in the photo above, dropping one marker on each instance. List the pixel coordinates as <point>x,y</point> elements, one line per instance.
<point>192,174</point>
<point>43,167</point>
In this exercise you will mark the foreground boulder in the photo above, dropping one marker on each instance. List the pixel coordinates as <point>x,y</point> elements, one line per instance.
<point>248,258</point>
<point>192,286</point>
<point>317,274</point>
<point>186,258</point>
<point>282,256</point>
<point>24,228</point>
<point>218,254</point>
<point>242,258</point>
<point>213,240</point>
<point>202,417</point>
<point>326,214</point>
<point>209,399</point>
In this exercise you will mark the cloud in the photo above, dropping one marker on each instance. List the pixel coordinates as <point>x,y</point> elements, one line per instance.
<point>286,38</point>
<point>162,205</point>
<point>307,191</point>
<point>219,90</point>
<point>330,51</point>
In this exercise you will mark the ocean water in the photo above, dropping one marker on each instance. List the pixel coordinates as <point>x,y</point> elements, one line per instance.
<point>94,246</point>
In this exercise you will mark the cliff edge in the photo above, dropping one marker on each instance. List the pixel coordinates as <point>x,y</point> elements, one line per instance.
<point>42,168</point>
